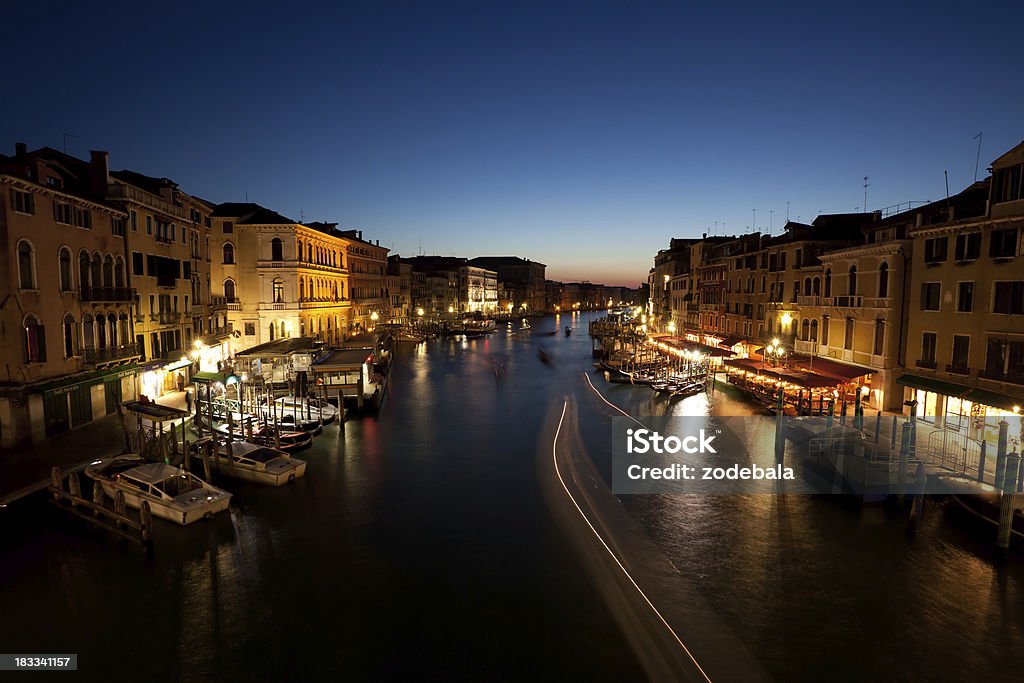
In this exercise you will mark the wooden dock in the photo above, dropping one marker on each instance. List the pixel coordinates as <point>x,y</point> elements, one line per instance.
<point>95,512</point>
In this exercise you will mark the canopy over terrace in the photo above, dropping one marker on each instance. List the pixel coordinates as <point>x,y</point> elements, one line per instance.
<point>679,344</point>
<point>798,378</point>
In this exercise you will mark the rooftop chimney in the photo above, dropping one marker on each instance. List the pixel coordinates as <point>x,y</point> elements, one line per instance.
<point>99,172</point>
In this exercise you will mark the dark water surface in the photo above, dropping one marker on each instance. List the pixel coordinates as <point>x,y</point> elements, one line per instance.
<point>418,546</point>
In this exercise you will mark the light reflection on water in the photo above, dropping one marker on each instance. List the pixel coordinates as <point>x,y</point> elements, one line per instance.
<point>419,543</point>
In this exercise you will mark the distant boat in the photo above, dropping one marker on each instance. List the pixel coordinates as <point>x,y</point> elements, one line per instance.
<point>568,331</point>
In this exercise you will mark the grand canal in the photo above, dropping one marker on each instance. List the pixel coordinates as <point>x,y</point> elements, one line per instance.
<point>419,546</point>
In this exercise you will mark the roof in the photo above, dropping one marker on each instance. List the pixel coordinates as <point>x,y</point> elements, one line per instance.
<point>155,411</point>
<point>153,473</point>
<point>366,340</point>
<point>280,347</point>
<point>143,182</point>
<point>249,213</point>
<point>342,359</point>
<point>487,261</point>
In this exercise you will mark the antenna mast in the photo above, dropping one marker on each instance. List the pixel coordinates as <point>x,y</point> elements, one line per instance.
<point>865,194</point>
<point>977,158</point>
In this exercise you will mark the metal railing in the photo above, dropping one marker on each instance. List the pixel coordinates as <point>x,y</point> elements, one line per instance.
<point>110,353</point>
<point>106,294</point>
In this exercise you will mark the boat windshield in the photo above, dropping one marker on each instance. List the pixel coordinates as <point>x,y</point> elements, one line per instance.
<point>179,484</point>
<point>262,455</point>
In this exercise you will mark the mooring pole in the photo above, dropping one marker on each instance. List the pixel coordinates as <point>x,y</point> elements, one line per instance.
<point>1007,500</point>
<point>901,474</point>
<point>1001,454</point>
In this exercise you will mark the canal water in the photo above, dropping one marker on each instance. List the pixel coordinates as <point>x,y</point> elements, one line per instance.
<point>418,546</point>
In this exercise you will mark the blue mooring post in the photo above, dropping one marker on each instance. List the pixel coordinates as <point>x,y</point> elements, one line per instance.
<point>1004,427</point>
<point>981,461</point>
<point>1007,500</point>
<point>901,474</point>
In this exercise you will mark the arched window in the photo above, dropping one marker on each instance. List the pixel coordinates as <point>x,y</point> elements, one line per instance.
<point>108,271</point>
<point>101,333</point>
<point>814,330</point>
<point>806,330</point>
<point>229,290</point>
<point>276,249</point>
<point>83,270</point>
<point>96,271</point>
<point>70,336</point>
<point>807,286</point>
<point>26,265</point>
<point>824,329</point>
<point>828,282</point>
<point>302,291</point>
<point>309,252</point>
<point>112,330</point>
<point>298,249</point>
<point>119,272</point>
<point>123,330</point>
<point>852,286</point>
<point>64,260</point>
<point>229,253</point>
<point>883,280</point>
<point>764,283</point>
<point>816,286</point>
<point>278,291</point>
<point>272,329</point>
<point>879,337</point>
<point>35,340</point>
<point>793,327</point>
<point>87,337</point>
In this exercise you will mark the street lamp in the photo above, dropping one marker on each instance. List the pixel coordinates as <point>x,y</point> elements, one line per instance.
<point>672,327</point>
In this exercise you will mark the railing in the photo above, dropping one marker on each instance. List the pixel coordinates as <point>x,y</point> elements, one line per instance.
<point>808,300</point>
<point>106,294</point>
<point>235,305</point>
<point>220,301</point>
<point>805,346</point>
<point>120,191</point>
<point>851,301</point>
<point>110,353</point>
<point>166,317</point>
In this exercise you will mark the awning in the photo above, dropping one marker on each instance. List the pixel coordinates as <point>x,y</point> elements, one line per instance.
<point>826,366</point>
<point>180,363</point>
<point>991,398</point>
<point>221,377</point>
<point>731,341</point>
<point>936,386</point>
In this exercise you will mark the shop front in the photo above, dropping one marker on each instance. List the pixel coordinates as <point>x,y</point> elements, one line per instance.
<point>157,379</point>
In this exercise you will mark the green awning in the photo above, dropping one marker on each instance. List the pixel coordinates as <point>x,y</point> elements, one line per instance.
<point>221,377</point>
<point>933,385</point>
<point>178,364</point>
<point>991,398</point>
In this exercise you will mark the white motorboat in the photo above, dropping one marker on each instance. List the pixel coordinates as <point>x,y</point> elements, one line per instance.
<point>258,464</point>
<point>173,494</point>
<point>303,409</point>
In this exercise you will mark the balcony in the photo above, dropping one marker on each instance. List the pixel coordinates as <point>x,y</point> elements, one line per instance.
<point>111,353</point>
<point>166,317</point>
<point>106,294</point>
<point>124,191</point>
<point>846,302</point>
<point>808,301</point>
<point>219,302</point>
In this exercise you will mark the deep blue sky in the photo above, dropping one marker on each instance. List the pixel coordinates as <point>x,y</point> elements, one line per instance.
<point>583,135</point>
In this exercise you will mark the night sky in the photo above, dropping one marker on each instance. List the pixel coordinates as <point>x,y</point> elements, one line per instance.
<point>583,135</point>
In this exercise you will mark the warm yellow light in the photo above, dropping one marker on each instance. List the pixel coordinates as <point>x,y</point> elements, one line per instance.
<point>558,308</point>
<point>667,278</point>
<point>510,307</point>
<point>199,344</point>
<point>786,318</point>
<point>374,317</point>
<point>672,327</point>
<point>451,309</point>
<point>775,342</point>
<point>419,312</point>
<point>1016,409</point>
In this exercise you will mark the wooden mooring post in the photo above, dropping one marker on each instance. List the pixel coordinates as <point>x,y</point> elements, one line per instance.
<point>1008,500</point>
<point>94,510</point>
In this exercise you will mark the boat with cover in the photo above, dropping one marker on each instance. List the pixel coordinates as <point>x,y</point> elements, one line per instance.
<point>172,493</point>
<point>258,464</point>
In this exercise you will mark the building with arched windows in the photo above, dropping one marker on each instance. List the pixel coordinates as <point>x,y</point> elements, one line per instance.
<point>66,335</point>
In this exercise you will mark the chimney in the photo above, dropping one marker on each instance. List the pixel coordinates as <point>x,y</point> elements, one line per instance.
<point>20,150</point>
<point>99,172</point>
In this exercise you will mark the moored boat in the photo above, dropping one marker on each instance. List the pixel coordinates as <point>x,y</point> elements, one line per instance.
<point>258,464</point>
<point>172,493</point>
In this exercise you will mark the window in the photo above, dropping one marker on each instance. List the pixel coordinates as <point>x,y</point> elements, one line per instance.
<point>824,330</point>
<point>229,227</point>
<point>928,348</point>
<point>70,336</point>
<point>1003,243</point>
<point>879,337</point>
<point>229,290</point>
<point>961,348</point>
<point>278,291</point>
<point>930,296</point>
<point>64,262</point>
<point>250,329</point>
<point>26,265</point>
<point>1008,297</point>
<point>108,271</point>
<point>83,270</point>
<point>965,297</point>
<point>968,247</point>
<point>848,340</point>
<point>137,263</point>
<point>62,213</point>
<point>229,253</point>
<point>814,330</point>
<point>828,282</point>
<point>1006,184</point>
<point>883,280</point>
<point>276,249</point>
<point>935,249</point>
<point>119,278</point>
<point>117,226</point>
<point>805,331</point>
<point>83,218</point>
<point>23,202</point>
<point>35,340</point>
<point>134,218</point>
<point>149,225</point>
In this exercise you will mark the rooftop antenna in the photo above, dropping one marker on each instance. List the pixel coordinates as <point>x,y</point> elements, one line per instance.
<point>787,212</point>
<point>976,159</point>
<point>754,222</point>
<point>865,194</point>
<point>715,232</point>
<point>771,222</point>
<point>302,216</point>
<point>946,174</point>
